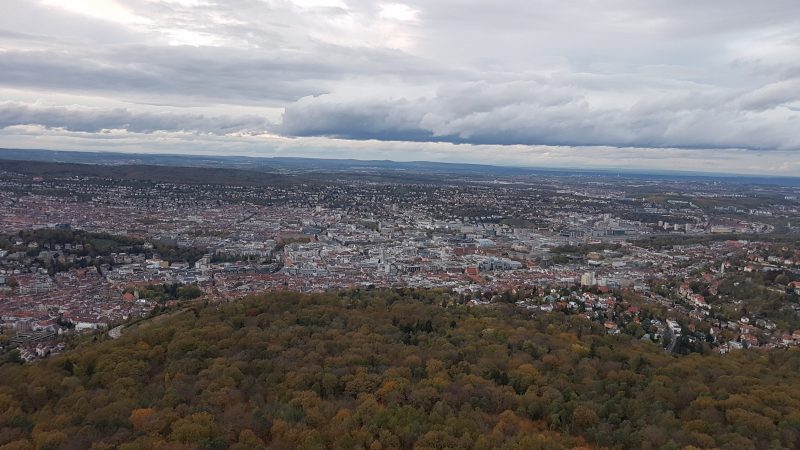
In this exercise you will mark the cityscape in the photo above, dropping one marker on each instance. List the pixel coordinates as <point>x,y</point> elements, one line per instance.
<point>693,264</point>
<point>399,225</point>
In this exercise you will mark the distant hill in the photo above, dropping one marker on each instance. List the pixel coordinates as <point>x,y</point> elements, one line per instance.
<point>153,173</point>
<point>392,369</point>
<point>252,163</point>
<point>421,170</point>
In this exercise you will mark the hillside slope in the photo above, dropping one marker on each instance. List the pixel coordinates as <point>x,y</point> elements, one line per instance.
<point>392,369</point>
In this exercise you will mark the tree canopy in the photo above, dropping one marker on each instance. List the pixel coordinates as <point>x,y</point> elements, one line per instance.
<point>392,369</point>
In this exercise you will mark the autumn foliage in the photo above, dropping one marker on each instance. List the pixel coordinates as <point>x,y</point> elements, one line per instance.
<point>384,369</point>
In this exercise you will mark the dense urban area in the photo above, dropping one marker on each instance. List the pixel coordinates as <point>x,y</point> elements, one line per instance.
<point>691,264</point>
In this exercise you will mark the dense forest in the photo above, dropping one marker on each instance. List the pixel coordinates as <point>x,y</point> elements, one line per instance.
<point>383,369</point>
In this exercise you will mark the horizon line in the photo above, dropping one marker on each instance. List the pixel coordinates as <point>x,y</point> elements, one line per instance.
<point>604,169</point>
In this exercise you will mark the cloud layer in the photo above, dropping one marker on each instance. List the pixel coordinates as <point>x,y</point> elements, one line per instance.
<point>503,80</point>
<point>93,120</point>
<point>563,111</point>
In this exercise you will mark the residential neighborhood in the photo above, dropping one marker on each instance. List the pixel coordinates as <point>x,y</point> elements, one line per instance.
<point>79,254</point>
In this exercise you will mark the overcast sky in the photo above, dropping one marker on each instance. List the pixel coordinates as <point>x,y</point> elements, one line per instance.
<point>660,84</point>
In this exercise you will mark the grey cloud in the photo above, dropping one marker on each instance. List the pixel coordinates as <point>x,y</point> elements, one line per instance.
<point>162,72</point>
<point>213,74</point>
<point>771,95</point>
<point>367,120</point>
<point>536,113</point>
<point>260,61</point>
<point>96,120</point>
<point>28,20</point>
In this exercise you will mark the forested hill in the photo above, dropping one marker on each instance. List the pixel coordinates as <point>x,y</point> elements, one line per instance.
<point>392,369</point>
